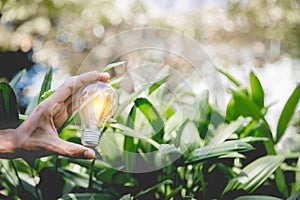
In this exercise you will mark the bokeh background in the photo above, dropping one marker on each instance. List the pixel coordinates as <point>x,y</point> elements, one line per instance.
<point>258,35</point>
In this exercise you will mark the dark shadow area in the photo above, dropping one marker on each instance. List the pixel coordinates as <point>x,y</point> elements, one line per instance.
<point>13,62</point>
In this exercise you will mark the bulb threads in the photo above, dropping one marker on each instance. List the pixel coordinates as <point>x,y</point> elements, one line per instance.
<point>90,138</point>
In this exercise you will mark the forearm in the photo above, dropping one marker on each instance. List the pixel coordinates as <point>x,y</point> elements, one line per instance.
<point>8,143</point>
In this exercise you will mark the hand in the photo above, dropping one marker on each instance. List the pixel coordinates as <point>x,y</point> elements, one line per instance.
<point>37,135</point>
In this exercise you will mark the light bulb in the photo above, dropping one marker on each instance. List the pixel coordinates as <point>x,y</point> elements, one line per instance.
<point>96,104</point>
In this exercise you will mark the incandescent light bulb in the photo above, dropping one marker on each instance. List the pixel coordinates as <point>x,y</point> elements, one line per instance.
<point>96,104</point>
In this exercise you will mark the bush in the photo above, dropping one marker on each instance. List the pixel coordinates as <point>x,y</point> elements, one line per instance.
<point>198,153</point>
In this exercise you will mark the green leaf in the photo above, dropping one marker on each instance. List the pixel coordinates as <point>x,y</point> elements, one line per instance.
<point>112,65</point>
<point>295,196</point>
<point>168,148</point>
<point>296,183</point>
<point>174,122</point>
<point>231,110</point>
<point>46,94</point>
<point>243,105</point>
<point>69,120</point>
<point>255,173</point>
<point>80,179</point>
<point>201,154</point>
<point>254,139</point>
<point>174,192</point>
<point>114,82</point>
<point>158,84</point>
<point>129,146</point>
<point>30,189</point>
<point>258,94</point>
<point>287,112</point>
<point>9,116</point>
<point>126,197</point>
<point>225,131</point>
<point>132,133</point>
<point>130,99</point>
<point>165,182</point>
<point>86,196</point>
<point>229,76</point>
<point>22,117</point>
<point>133,97</point>
<point>13,83</point>
<point>256,197</point>
<point>98,164</point>
<point>153,117</point>
<point>32,104</point>
<point>46,85</point>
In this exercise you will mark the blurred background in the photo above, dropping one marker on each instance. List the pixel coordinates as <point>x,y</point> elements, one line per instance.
<point>258,35</point>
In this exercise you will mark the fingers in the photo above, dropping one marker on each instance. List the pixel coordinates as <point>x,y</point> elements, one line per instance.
<point>74,83</point>
<point>72,150</point>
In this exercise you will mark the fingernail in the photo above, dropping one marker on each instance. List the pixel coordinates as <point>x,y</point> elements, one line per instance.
<point>89,154</point>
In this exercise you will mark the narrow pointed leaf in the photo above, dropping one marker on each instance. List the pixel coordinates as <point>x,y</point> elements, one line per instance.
<point>201,154</point>
<point>9,116</point>
<point>86,196</point>
<point>295,196</point>
<point>152,116</point>
<point>256,197</point>
<point>112,65</point>
<point>257,91</point>
<point>13,83</point>
<point>98,164</point>
<point>158,84</point>
<point>132,133</point>
<point>129,147</point>
<point>229,76</point>
<point>255,173</point>
<point>225,131</point>
<point>287,112</point>
<point>46,85</point>
<point>165,182</point>
<point>244,106</point>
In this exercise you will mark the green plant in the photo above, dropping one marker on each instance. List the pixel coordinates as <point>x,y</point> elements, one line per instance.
<point>191,156</point>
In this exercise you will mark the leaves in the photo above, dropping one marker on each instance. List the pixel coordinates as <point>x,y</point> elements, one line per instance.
<point>201,154</point>
<point>129,147</point>
<point>229,76</point>
<point>46,85</point>
<point>194,132</point>
<point>295,196</point>
<point>287,112</point>
<point>157,84</point>
<point>113,65</point>
<point>255,174</point>
<point>153,117</point>
<point>98,164</point>
<point>244,106</point>
<point>257,90</point>
<point>45,95</point>
<point>225,131</point>
<point>165,182</point>
<point>256,197</point>
<point>86,196</point>
<point>9,117</point>
<point>13,83</point>
<point>132,133</point>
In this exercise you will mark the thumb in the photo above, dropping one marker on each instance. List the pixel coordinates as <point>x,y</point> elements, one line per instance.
<point>72,150</point>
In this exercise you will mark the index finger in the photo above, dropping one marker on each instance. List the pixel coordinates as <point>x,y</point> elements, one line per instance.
<point>74,83</point>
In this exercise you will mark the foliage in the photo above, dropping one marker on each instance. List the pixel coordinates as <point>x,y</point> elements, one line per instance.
<point>187,155</point>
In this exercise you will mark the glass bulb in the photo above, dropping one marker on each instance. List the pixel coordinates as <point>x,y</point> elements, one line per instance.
<point>96,104</point>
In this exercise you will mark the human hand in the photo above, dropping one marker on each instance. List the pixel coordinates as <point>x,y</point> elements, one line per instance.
<point>37,135</point>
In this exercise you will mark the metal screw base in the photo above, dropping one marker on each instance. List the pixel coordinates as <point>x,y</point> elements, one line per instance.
<point>90,138</point>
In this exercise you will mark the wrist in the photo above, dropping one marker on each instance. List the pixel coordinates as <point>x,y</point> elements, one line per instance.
<point>8,142</point>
